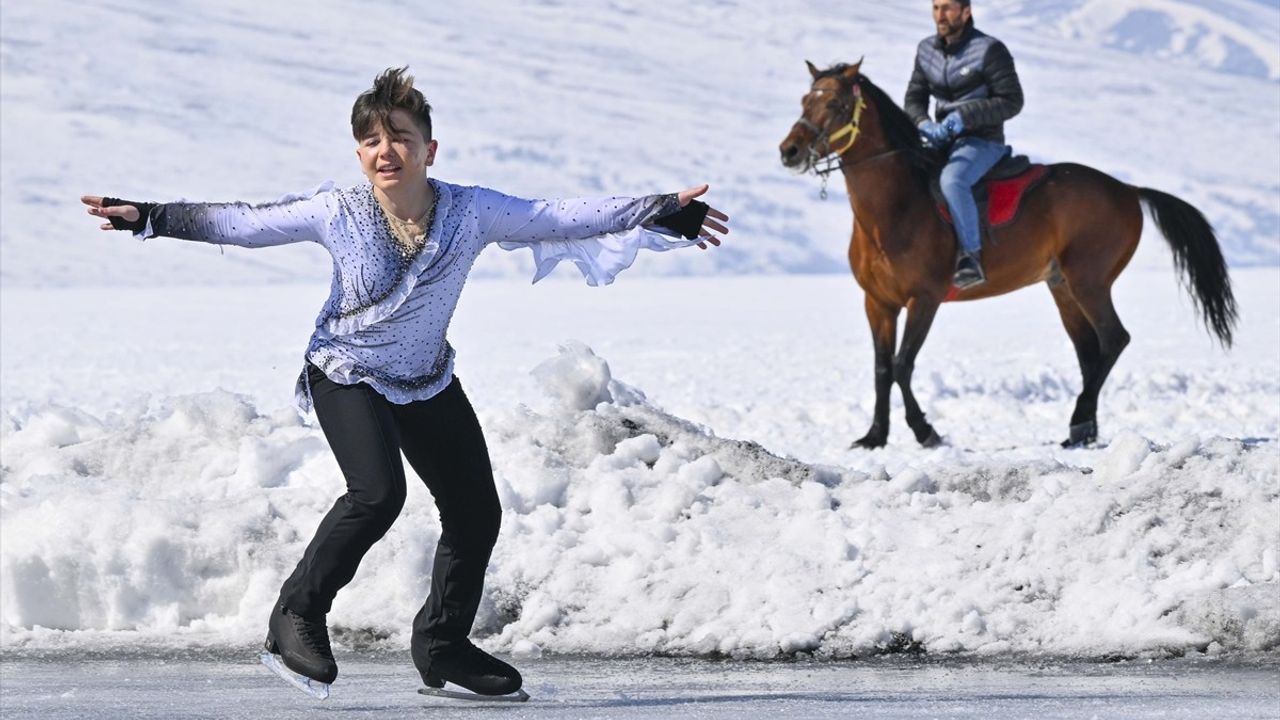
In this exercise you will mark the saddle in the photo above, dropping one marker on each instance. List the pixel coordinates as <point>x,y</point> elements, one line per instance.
<point>999,193</point>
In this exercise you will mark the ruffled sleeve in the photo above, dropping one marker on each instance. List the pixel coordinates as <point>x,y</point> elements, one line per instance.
<point>600,236</point>
<point>598,258</point>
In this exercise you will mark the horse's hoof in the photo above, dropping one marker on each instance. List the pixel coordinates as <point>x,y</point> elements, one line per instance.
<point>932,440</point>
<point>869,442</point>
<point>876,437</point>
<point>1082,434</point>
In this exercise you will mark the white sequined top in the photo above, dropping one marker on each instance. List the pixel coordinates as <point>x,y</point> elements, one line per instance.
<point>387,317</point>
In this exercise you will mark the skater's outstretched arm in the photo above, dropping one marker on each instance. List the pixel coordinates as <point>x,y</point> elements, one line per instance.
<point>512,220</point>
<point>600,236</point>
<point>295,218</point>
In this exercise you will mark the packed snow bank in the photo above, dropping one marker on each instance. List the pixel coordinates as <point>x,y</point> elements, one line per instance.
<point>627,529</point>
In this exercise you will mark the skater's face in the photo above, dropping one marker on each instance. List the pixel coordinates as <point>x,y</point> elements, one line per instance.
<point>395,156</point>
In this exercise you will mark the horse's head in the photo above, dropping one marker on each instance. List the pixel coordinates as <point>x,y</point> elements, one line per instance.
<point>831,118</point>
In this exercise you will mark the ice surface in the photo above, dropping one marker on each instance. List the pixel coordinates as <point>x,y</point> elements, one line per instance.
<point>171,686</point>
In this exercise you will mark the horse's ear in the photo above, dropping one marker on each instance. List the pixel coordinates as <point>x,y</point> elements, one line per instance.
<point>812,70</point>
<point>852,71</point>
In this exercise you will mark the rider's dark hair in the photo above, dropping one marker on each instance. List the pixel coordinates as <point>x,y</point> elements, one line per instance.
<point>392,90</point>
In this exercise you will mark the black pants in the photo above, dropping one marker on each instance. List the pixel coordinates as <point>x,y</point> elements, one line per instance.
<point>442,440</point>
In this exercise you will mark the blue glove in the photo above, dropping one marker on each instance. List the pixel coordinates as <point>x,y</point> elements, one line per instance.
<point>953,125</point>
<point>933,133</point>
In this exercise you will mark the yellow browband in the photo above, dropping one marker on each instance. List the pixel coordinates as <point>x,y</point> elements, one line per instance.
<point>851,129</point>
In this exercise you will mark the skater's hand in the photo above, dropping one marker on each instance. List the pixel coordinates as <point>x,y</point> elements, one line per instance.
<point>127,213</point>
<point>712,223</point>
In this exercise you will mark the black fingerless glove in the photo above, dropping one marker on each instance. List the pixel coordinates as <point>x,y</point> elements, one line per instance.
<point>687,220</point>
<point>119,223</point>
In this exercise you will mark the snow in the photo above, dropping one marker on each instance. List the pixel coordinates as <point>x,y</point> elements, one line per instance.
<point>672,451</point>
<point>249,100</point>
<point>697,496</point>
<point>1223,35</point>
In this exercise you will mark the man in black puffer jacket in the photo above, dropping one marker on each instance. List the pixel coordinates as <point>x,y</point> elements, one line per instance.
<point>972,76</point>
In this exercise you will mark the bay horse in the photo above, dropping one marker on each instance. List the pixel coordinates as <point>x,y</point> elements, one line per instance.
<point>1076,231</point>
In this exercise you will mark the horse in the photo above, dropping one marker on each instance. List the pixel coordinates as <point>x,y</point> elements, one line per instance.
<point>1076,232</point>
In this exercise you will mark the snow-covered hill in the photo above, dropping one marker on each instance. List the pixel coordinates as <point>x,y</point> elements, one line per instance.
<point>249,100</point>
<point>1235,36</point>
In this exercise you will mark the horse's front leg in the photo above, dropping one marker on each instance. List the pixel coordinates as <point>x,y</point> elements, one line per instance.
<point>884,334</point>
<point>920,313</point>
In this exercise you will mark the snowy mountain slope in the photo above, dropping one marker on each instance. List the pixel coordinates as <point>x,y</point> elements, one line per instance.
<point>243,100</point>
<point>1235,36</point>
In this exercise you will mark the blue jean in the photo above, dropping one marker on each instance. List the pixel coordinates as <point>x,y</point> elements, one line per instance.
<point>971,158</point>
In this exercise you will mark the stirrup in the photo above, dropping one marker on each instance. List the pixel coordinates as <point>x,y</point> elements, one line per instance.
<point>967,278</point>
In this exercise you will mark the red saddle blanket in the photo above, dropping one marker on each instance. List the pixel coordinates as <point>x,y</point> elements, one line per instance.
<point>1005,195</point>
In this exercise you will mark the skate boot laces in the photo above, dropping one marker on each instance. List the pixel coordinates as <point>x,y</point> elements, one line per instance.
<point>314,633</point>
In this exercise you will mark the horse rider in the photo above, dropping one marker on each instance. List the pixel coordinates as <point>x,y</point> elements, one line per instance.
<point>972,76</point>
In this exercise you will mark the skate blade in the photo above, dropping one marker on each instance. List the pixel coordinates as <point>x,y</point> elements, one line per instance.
<point>517,696</point>
<point>314,688</point>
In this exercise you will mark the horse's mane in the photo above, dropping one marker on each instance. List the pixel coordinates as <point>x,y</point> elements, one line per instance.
<point>899,131</point>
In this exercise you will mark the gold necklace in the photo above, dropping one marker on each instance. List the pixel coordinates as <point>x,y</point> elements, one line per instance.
<point>410,235</point>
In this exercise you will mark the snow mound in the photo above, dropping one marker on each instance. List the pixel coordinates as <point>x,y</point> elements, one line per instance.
<point>627,529</point>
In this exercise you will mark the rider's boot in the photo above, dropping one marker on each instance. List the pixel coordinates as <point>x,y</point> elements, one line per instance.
<point>969,270</point>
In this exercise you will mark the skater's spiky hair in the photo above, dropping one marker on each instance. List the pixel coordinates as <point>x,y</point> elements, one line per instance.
<point>392,90</point>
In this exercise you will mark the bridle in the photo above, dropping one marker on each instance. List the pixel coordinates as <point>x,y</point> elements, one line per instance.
<point>825,163</point>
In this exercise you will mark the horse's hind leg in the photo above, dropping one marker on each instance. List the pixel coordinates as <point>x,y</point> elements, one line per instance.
<point>884,335</point>
<point>1084,421</point>
<point>920,314</point>
<point>1094,302</point>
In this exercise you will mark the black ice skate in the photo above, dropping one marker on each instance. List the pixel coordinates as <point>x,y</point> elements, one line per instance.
<point>468,667</point>
<point>298,651</point>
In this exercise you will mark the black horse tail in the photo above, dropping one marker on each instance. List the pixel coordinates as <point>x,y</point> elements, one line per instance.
<point>1198,258</point>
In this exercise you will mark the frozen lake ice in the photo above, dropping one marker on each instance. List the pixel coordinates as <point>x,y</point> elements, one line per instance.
<point>225,684</point>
